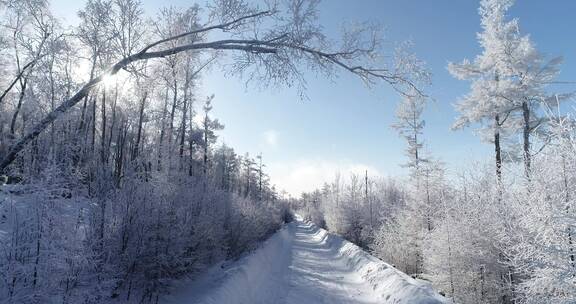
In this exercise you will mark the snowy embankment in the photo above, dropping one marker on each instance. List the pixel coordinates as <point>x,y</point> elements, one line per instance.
<point>304,264</point>
<point>390,284</point>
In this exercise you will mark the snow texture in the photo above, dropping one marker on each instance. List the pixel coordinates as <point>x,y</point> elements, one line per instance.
<point>304,264</point>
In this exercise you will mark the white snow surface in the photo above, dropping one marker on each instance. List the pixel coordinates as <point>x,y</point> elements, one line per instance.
<point>303,264</point>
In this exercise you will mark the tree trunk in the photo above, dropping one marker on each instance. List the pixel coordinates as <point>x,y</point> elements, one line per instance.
<point>526,136</point>
<point>162,131</point>
<point>205,168</point>
<point>191,143</point>
<point>248,169</point>
<point>102,226</point>
<point>17,79</point>
<point>85,103</point>
<point>52,99</point>
<point>38,240</point>
<point>83,114</point>
<point>121,141</point>
<point>497,149</point>
<point>183,127</point>
<point>112,123</point>
<point>428,203</point>
<point>416,156</point>
<point>18,107</point>
<point>571,254</point>
<point>103,134</point>
<point>93,132</point>
<point>172,115</point>
<point>136,150</point>
<point>368,199</point>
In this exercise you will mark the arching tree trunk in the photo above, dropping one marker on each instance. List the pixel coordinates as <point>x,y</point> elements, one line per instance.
<point>325,58</point>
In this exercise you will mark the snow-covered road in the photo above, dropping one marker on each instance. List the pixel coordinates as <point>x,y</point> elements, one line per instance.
<point>302,264</point>
<point>319,274</point>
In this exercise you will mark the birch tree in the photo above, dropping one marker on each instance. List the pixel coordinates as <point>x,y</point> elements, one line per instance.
<point>272,46</point>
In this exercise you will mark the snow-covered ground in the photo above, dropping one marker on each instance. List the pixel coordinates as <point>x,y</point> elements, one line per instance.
<point>303,264</point>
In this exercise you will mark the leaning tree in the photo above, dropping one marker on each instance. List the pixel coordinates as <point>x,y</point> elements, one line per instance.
<point>271,44</point>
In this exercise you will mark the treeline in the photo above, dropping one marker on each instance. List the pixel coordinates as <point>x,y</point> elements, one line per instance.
<point>475,241</point>
<point>129,190</point>
<point>499,233</point>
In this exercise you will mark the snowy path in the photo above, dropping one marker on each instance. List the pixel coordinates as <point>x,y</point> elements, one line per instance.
<point>319,274</point>
<point>303,264</point>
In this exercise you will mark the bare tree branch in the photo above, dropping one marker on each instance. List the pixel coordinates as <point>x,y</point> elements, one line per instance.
<point>223,26</point>
<point>17,78</point>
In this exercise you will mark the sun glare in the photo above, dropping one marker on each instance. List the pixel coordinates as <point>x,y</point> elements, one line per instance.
<point>109,80</point>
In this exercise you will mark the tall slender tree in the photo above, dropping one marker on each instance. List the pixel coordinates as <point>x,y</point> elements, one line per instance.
<point>409,124</point>
<point>209,127</point>
<point>485,103</point>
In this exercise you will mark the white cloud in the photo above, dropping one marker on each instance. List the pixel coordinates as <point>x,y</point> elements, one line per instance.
<point>270,138</point>
<point>307,175</point>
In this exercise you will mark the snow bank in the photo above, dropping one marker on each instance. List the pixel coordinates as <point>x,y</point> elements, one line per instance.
<point>388,284</point>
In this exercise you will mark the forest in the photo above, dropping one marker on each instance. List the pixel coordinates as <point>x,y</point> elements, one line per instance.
<point>115,184</point>
<point>498,232</point>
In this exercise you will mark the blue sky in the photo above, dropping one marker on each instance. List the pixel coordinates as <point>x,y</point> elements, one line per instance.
<point>344,126</point>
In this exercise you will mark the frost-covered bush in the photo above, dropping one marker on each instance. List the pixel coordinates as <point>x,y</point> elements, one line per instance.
<point>129,242</point>
<point>42,234</point>
<point>542,249</point>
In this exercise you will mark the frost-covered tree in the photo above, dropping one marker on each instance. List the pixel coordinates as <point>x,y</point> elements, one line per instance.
<point>463,253</point>
<point>484,103</point>
<point>530,74</point>
<point>509,84</point>
<point>413,221</point>
<point>95,33</point>
<point>209,127</point>
<point>543,250</point>
<point>409,124</point>
<point>94,211</point>
<point>273,45</point>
